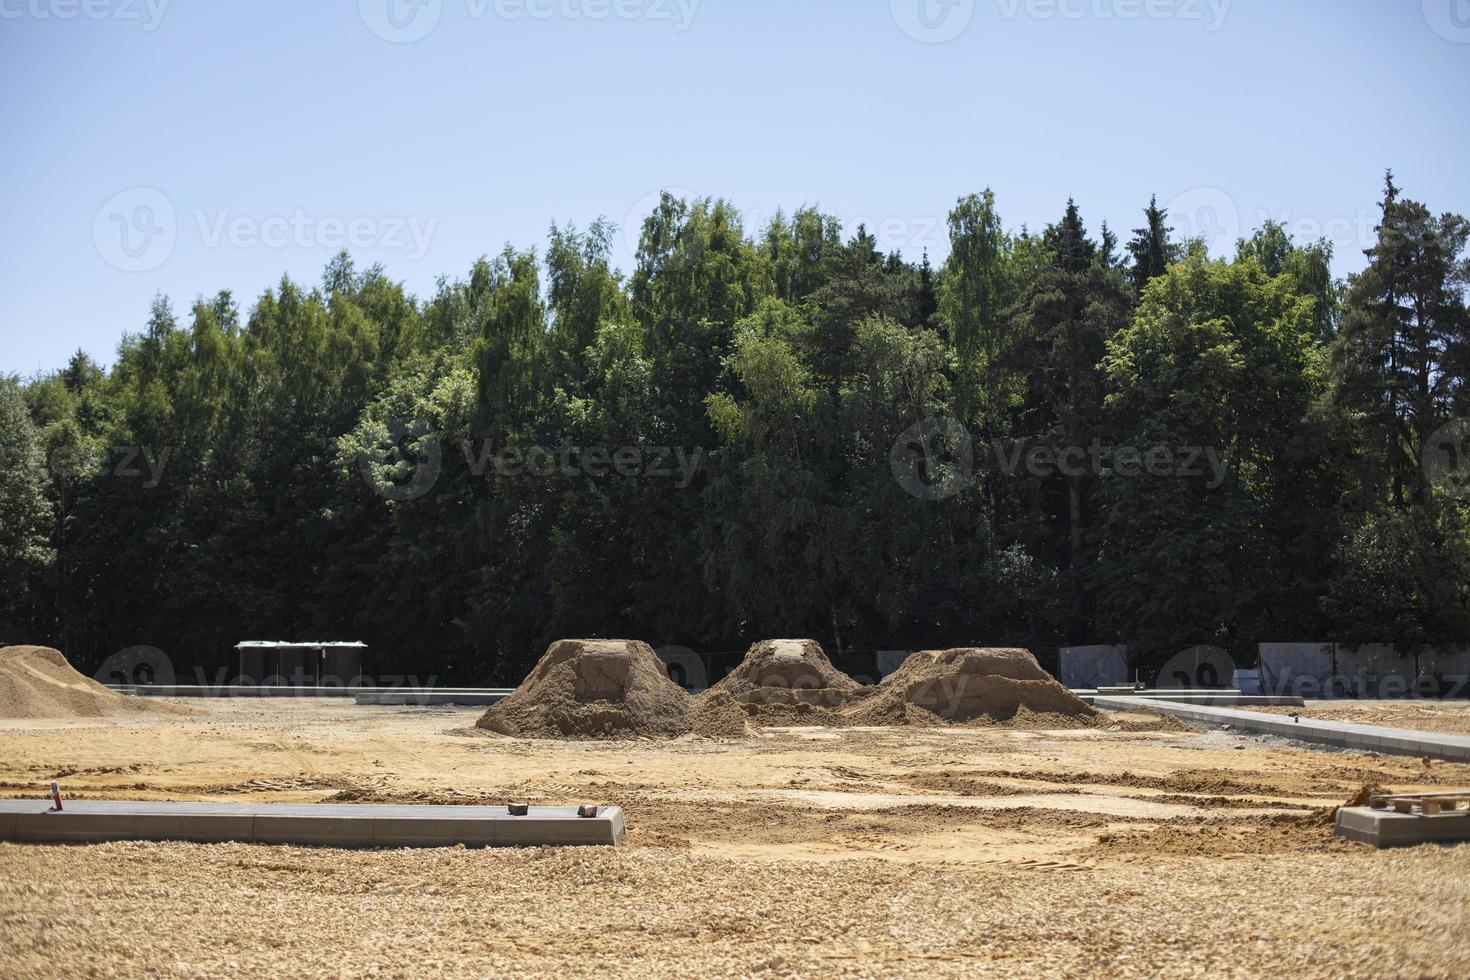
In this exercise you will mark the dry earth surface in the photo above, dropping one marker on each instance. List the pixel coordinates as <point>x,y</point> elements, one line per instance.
<point>1451,718</point>
<point>812,852</point>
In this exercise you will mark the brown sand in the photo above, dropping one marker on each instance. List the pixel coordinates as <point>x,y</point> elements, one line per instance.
<point>940,851</point>
<point>37,682</point>
<point>970,684</point>
<point>594,689</point>
<point>1447,717</point>
<point>788,672</point>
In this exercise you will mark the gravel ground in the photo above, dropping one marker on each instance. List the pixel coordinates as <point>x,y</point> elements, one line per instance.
<point>141,909</point>
<point>1449,717</point>
<point>810,852</point>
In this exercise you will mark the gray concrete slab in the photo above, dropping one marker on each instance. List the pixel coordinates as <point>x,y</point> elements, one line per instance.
<point>1386,828</point>
<point>253,691</point>
<point>1367,738</point>
<point>1218,699</point>
<point>324,825</point>
<point>432,698</point>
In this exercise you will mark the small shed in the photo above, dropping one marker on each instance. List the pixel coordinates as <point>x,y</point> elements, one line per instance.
<point>282,663</point>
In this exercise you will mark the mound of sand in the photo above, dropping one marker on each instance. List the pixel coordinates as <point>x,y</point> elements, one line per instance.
<point>594,689</point>
<point>788,672</point>
<point>973,684</point>
<point>37,682</point>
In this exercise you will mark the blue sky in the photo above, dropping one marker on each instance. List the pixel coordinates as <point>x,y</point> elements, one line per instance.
<point>186,146</point>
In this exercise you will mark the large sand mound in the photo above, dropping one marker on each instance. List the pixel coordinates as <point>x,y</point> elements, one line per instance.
<point>37,682</point>
<point>969,684</point>
<point>594,689</point>
<point>788,672</point>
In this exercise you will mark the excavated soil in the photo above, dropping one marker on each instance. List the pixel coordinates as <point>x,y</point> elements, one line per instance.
<point>788,673</point>
<point>975,685</point>
<point>38,682</point>
<point>594,689</point>
<point>1017,849</point>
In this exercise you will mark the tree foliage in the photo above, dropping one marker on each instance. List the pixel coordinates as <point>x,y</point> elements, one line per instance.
<point>1045,438</point>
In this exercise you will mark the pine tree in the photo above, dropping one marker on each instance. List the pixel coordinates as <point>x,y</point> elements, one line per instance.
<point>1151,249</point>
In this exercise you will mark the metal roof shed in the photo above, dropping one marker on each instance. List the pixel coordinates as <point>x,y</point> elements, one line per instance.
<point>283,663</point>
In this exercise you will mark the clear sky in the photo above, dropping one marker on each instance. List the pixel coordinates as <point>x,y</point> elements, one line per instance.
<point>187,146</point>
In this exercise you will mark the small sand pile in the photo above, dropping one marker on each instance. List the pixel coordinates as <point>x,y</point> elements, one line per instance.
<point>717,715</point>
<point>37,682</point>
<point>594,689</point>
<point>971,684</point>
<point>788,672</point>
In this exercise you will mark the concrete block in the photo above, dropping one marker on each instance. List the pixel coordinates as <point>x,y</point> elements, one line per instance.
<point>70,826</point>
<point>319,825</point>
<point>1385,828</point>
<point>561,825</point>
<point>1094,666</point>
<point>1295,668</point>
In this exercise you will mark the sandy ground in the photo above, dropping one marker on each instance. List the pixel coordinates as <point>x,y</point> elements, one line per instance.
<point>1452,717</point>
<point>799,852</point>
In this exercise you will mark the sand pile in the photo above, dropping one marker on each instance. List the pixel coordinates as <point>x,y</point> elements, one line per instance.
<point>788,672</point>
<point>594,689</point>
<point>973,684</point>
<point>37,682</point>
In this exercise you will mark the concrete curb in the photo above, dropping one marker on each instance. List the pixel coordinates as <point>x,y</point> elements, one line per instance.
<point>1385,828</point>
<point>319,825</point>
<point>1365,738</point>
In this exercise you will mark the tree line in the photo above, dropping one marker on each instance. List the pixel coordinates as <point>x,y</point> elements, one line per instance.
<point>1052,437</point>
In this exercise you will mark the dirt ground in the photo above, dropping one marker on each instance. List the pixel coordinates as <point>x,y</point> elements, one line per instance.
<point>811,852</point>
<point>1452,718</point>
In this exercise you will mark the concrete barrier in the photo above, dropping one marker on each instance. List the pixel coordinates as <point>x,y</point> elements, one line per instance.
<point>1296,668</point>
<point>1094,666</point>
<point>1364,738</point>
<point>319,825</point>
